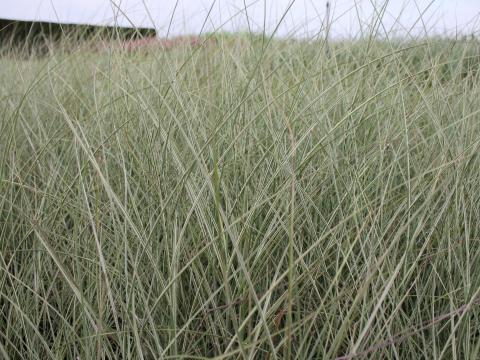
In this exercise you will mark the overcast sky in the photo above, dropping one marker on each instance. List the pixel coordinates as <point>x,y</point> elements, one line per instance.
<point>304,17</point>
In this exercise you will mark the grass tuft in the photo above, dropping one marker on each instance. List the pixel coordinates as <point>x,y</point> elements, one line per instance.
<point>241,198</point>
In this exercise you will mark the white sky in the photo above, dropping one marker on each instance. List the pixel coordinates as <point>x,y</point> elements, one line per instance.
<point>303,18</point>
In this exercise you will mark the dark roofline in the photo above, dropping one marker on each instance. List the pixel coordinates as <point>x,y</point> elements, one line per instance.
<point>14,31</point>
<point>126,25</point>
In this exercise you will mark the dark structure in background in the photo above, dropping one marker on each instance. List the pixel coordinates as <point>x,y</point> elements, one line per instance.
<point>28,34</point>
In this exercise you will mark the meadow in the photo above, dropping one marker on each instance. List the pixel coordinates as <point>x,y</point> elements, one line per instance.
<point>242,197</point>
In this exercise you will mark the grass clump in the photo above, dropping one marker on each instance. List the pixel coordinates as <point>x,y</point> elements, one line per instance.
<point>242,199</point>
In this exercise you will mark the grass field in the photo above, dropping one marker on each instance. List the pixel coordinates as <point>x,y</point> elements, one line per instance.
<point>248,198</point>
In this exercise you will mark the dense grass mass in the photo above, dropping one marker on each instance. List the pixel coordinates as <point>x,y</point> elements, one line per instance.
<point>247,198</point>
